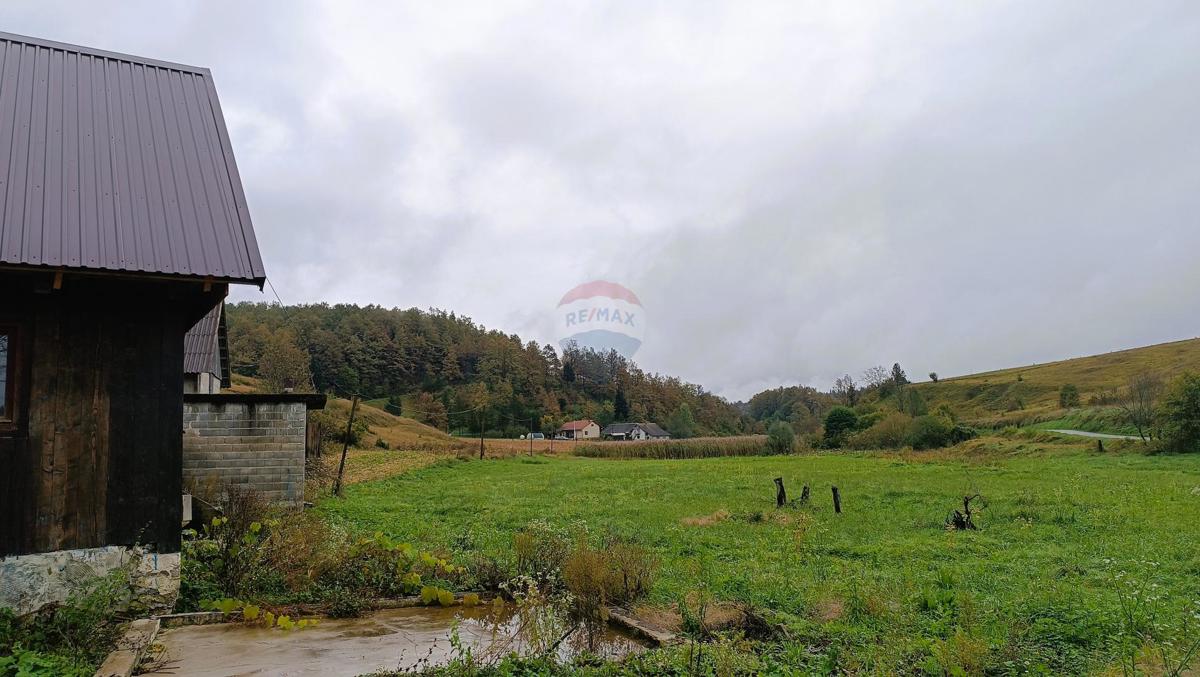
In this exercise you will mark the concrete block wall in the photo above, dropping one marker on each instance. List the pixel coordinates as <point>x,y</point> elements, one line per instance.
<point>250,443</point>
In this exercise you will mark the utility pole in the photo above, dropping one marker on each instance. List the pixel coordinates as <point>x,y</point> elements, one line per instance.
<point>531,436</point>
<point>480,419</point>
<point>337,487</point>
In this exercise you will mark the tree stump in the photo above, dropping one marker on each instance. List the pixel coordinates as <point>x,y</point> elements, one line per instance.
<point>962,520</point>
<point>780,493</point>
<point>837,501</point>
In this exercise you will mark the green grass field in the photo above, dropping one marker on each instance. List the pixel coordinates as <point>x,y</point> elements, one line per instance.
<point>882,588</point>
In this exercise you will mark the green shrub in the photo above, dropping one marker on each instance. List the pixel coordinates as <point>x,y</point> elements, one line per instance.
<point>961,433</point>
<point>68,639</point>
<point>302,558</point>
<point>887,433</point>
<point>229,555</point>
<point>1180,414</point>
<point>928,432</point>
<point>343,602</point>
<point>541,549</point>
<point>781,439</point>
<point>839,423</point>
<point>1068,396</point>
<point>21,662</point>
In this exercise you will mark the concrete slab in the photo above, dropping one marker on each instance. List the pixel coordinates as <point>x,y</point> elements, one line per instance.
<point>391,639</point>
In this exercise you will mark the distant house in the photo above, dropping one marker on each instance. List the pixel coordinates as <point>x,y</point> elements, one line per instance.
<point>579,430</point>
<point>623,431</point>
<point>122,224</point>
<point>206,354</point>
<point>634,431</point>
<point>654,432</point>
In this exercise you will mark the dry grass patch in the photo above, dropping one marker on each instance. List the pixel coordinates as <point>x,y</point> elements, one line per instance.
<point>718,616</point>
<point>829,609</point>
<point>706,520</point>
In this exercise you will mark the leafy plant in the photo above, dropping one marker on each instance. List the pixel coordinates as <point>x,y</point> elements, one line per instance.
<point>781,438</point>
<point>71,638</point>
<point>1180,414</point>
<point>928,432</point>
<point>253,614</point>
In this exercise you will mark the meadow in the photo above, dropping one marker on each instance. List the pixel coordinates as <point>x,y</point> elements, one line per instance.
<point>1069,542</point>
<point>1029,394</point>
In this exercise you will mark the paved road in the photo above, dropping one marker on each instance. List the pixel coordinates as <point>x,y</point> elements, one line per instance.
<point>1102,436</point>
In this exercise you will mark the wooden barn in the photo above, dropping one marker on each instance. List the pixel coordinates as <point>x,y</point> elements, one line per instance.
<point>122,224</point>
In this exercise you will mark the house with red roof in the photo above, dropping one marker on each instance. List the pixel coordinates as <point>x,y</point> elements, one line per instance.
<point>585,429</point>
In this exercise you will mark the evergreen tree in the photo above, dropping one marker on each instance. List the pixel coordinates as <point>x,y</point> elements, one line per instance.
<point>839,423</point>
<point>682,423</point>
<point>899,378</point>
<point>621,406</point>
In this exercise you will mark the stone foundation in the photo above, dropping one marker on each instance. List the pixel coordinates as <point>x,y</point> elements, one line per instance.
<point>30,582</point>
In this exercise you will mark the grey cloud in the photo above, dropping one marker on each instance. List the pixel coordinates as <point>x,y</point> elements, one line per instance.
<point>794,191</point>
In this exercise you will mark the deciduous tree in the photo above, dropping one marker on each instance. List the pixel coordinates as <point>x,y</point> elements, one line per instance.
<point>846,389</point>
<point>1180,413</point>
<point>1139,401</point>
<point>283,364</point>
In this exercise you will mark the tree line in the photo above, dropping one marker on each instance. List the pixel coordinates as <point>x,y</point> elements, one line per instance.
<point>448,371</point>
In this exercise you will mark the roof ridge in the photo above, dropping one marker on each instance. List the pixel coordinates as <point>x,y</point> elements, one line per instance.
<point>103,53</point>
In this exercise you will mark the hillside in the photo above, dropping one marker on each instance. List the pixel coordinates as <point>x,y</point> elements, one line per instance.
<point>1030,393</point>
<point>456,375</point>
<point>409,444</point>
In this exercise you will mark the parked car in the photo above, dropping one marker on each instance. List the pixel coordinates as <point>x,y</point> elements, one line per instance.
<point>538,436</point>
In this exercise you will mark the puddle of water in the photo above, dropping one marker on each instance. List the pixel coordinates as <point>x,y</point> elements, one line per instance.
<point>393,639</point>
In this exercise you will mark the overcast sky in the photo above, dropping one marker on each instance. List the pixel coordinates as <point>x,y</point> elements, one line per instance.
<point>794,190</point>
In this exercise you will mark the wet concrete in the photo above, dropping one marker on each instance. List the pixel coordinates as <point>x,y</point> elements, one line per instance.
<point>394,639</point>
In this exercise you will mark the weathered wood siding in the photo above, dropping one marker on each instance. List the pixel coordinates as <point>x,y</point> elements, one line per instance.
<point>97,457</point>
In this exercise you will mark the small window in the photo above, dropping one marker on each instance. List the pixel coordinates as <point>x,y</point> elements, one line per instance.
<point>8,373</point>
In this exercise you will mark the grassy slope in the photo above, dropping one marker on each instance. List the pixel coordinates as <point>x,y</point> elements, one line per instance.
<point>411,444</point>
<point>884,582</point>
<point>992,396</point>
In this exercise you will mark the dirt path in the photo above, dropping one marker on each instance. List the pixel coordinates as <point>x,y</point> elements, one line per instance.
<point>1101,436</point>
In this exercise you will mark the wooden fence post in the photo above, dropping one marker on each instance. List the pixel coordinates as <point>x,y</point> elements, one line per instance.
<point>837,501</point>
<point>337,487</point>
<point>780,493</point>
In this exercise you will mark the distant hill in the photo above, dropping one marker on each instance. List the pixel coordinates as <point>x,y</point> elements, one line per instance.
<point>452,373</point>
<point>1025,393</point>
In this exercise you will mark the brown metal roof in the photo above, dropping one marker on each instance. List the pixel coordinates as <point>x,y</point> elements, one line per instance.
<point>117,163</point>
<point>205,346</point>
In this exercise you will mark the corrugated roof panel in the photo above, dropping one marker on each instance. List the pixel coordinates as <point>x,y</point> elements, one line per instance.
<point>200,344</point>
<point>111,162</point>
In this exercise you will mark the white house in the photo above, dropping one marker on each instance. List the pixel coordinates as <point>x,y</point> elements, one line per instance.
<point>634,431</point>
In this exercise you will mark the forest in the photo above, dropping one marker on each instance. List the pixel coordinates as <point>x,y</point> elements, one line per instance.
<point>448,371</point>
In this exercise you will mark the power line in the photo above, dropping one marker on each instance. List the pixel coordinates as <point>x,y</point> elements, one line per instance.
<point>274,292</point>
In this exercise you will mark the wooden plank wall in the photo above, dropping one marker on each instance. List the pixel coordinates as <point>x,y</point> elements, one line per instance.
<point>99,461</point>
